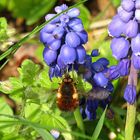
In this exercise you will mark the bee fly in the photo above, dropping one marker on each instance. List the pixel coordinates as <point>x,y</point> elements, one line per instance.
<point>67,96</point>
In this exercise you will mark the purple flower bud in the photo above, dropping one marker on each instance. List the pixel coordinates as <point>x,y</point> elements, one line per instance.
<point>51,72</point>
<point>64,18</point>
<point>51,39</point>
<point>120,47</point>
<point>76,25</point>
<point>83,36</point>
<point>95,52</point>
<point>57,71</point>
<point>137,14</point>
<point>90,115</point>
<point>58,32</point>
<point>123,67</point>
<point>49,56</point>
<point>91,107</point>
<point>60,62</point>
<point>54,71</point>
<point>135,44</point>
<point>74,12</point>
<point>74,21</point>
<point>55,133</point>
<point>136,61</point>
<point>113,73</point>
<point>81,54</point>
<point>68,54</point>
<point>49,16</point>
<point>124,15</point>
<point>110,87</point>
<point>100,79</point>
<point>55,45</point>
<point>128,5</point>
<point>72,39</point>
<point>97,67</point>
<point>115,27</point>
<point>131,29</point>
<point>49,28</point>
<point>78,28</point>
<point>44,36</point>
<point>59,9</point>
<point>130,94</point>
<point>103,61</point>
<point>137,4</point>
<point>88,61</point>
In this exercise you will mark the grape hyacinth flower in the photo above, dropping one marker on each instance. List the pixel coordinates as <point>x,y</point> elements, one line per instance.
<point>63,39</point>
<point>125,45</point>
<point>96,74</point>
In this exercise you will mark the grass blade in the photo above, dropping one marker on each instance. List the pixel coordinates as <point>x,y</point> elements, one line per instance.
<point>99,126</point>
<point>19,120</point>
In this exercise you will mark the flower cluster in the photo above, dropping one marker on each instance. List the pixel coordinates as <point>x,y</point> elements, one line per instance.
<point>126,43</point>
<point>96,73</point>
<point>63,38</point>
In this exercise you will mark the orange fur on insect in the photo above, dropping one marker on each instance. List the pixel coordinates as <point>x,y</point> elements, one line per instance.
<point>67,96</point>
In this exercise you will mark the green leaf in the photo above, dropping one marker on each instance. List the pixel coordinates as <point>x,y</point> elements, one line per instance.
<point>13,86</point>
<point>31,10</point>
<point>53,121</point>
<point>56,121</point>
<point>3,29</point>
<point>43,132</point>
<point>99,126</point>
<point>45,82</point>
<point>84,15</point>
<point>36,125</point>
<point>28,72</point>
<point>12,136</point>
<point>5,109</point>
<point>2,4</point>
<point>41,8</point>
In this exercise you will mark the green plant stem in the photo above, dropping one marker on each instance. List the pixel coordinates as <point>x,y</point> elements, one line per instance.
<point>131,109</point>
<point>79,120</point>
<point>130,122</point>
<point>22,113</point>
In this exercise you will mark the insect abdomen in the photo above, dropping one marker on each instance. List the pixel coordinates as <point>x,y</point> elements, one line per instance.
<point>67,97</point>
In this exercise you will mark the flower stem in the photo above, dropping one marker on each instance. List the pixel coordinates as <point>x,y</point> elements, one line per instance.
<point>130,122</point>
<point>79,119</point>
<point>131,109</point>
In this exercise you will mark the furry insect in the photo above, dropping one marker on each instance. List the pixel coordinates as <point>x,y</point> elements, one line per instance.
<point>67,96</point>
